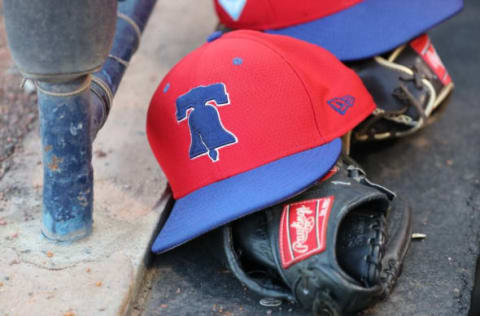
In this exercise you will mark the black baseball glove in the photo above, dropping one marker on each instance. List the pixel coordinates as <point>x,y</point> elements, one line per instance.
<point>409,85</point>
<point>335,248</point>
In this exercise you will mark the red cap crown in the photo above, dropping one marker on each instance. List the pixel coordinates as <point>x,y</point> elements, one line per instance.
<point>247,99</point>
<point>265,15</point>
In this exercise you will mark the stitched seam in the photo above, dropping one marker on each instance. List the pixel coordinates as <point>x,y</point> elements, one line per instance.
<point>271,11</point>
<point>294,71</point>
<point>198,71</point>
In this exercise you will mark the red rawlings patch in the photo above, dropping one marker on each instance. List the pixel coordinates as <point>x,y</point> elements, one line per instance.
<point>424,47</point>
<point>303,229</point>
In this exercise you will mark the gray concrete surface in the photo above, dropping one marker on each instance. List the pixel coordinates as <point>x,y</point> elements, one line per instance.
<point>100,274</point>
<point>437,169</point>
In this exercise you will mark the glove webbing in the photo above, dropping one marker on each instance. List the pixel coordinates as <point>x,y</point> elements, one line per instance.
<point>407,98</point>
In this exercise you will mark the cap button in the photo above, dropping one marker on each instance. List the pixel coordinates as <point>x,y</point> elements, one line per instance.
<point>215,35</point>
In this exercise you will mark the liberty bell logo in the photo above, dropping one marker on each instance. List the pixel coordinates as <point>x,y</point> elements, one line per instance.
<point>207,132</point>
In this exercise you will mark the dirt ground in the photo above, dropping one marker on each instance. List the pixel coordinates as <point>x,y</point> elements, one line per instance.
<point>18,110</point>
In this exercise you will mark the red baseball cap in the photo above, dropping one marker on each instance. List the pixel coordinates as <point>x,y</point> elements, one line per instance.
<point>350,29</point>
<point>245,121</point>
<point>274,14</point>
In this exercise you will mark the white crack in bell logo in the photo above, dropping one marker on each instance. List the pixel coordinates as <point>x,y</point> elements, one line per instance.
<point>303,226</point>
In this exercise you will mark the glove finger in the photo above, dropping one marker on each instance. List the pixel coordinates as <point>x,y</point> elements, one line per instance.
<point>399,223</point>
<point>361,245</point>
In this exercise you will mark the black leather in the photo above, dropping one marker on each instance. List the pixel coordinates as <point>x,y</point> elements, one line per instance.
<point>348,276</point>
<point>389,88</point>
<point>361,245</point>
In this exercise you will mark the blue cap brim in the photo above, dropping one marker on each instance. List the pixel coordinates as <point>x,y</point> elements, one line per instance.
<point>222,202</point>
<point>373,27</point>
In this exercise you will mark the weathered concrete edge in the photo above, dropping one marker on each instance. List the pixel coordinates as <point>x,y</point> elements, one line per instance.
<point>160,208</point>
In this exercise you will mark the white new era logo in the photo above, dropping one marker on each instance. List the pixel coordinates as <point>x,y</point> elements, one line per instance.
<point>234,8</point>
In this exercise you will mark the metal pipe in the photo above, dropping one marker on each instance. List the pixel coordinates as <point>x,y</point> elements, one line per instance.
<point>58,40</point>
<point>77,199</point>
<point>132,19</point>
<point>67,155</point>
<point>73,104</point>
